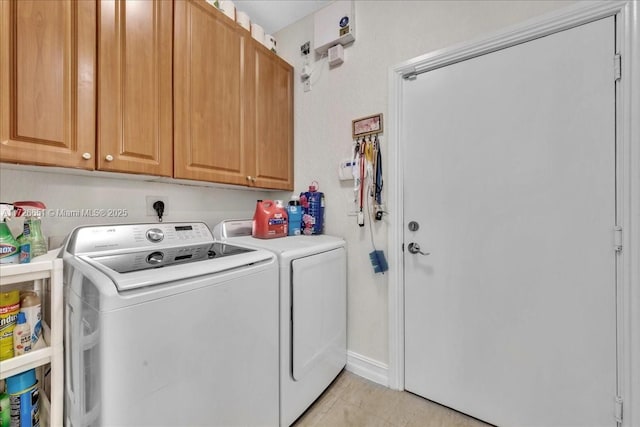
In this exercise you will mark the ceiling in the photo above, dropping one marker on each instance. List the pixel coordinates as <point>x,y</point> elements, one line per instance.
<point>274,15</point>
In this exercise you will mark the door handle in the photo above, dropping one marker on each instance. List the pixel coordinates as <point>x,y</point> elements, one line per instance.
<point>414,248</point>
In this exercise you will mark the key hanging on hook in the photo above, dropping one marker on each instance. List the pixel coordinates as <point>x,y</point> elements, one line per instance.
<point>361,180</point>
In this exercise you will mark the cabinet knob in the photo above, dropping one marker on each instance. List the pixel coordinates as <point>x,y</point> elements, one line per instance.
<point>86,156</point>
<point>253,179</point>
<point>109,158</point>
<point>248,178</point>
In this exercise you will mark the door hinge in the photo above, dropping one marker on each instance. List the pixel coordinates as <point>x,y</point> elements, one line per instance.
<point>617,66</point>
<point>617,238</point>
<point>619,409</point>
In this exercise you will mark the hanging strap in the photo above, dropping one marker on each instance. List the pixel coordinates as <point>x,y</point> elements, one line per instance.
<point>378,174</point>
<point>362,172</point>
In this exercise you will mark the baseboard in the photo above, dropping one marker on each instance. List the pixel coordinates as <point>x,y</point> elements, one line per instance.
<point>370,369</point>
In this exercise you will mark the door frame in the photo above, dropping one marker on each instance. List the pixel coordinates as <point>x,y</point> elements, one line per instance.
<point>627,15</point>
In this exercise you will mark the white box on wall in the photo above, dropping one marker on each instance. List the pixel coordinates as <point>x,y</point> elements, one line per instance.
<point>336,55</point>
<point>334,24</point>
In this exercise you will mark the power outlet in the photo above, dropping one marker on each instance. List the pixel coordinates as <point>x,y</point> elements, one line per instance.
<point>305,48</point>
<point>307,85</point>
<point>151,200</point>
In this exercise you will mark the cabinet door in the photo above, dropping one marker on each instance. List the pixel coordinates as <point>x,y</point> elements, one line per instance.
<point>209,81</point>
<point>272,121</point>
<point>47,82</point>
<point>135,131</point>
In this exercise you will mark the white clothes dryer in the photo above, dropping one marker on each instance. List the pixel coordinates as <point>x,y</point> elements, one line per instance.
<point>313,311</point>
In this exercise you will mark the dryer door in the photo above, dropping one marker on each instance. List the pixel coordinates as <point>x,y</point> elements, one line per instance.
<point>319,312</point>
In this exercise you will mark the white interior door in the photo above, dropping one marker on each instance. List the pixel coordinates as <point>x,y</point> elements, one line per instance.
<point>509,170</point>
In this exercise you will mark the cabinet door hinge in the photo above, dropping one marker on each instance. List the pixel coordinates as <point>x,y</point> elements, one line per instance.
<point>617,66</point>
<point>617,238</point>
<point>619,409</point>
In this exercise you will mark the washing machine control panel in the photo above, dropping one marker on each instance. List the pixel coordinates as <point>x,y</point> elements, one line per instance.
<point>178,233</point>
<point>117,238</point>
<point>144,260</point>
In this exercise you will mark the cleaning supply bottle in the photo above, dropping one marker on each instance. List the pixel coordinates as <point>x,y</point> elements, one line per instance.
<point>24,241</point>
<point>294,211</point>
<point>21,335</point>
<point>32,308</point>
<point>5,409</point>
<point>37,241</point>
<point>32,212</point>
<point>24,398</point>
<point>9,308</point>
<point>312,203</point>
<point>9,247</point>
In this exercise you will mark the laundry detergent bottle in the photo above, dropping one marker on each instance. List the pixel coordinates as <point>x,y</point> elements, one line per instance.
<point>269,220</point>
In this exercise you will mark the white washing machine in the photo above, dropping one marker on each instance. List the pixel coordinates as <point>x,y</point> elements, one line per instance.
<point>313,311</point>
<point>164,326</point>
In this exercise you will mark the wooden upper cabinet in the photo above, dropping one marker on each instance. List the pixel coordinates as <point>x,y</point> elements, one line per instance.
<point>233,103</point>
<point>47,82</point>
<point>180,90</point>
<point>209,81</point>
<point>272,121</point>
<point>135,132</point>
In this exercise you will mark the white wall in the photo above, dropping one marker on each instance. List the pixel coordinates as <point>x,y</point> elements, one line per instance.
<point>387,33</point>
<point>59,189</point>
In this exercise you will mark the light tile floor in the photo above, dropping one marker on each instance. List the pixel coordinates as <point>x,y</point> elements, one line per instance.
<point>352,401</point>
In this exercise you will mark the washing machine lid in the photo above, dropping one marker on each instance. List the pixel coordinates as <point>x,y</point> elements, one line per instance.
<point>139,255</point>
<point>134,270</point>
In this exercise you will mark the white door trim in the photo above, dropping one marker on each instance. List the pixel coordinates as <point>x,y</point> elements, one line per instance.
<point>628,157</point>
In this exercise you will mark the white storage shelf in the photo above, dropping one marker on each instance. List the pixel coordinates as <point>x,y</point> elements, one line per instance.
<point>45,273</point>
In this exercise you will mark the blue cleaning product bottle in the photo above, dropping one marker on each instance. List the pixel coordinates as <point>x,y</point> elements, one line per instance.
<point>295,216</point>
<point>24,398</point>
